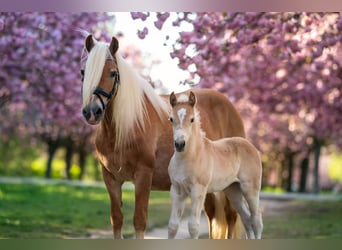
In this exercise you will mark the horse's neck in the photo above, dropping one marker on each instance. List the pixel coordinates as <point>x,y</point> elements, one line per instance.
<point>107,123</point>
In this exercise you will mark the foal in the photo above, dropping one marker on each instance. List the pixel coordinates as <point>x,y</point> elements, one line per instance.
<point>200,166</point>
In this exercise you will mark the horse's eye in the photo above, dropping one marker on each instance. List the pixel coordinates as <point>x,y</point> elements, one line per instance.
<point>82,72</point>
<point>171,119</point>
<point>113,74</point>
<point>192,120</point>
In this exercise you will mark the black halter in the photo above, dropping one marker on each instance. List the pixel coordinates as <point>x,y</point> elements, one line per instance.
<point>100,92</point>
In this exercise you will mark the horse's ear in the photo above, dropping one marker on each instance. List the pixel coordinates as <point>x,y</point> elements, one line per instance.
<point>192,98</point>
<point>173,99</point>
<point>89,43</point>
<point>114,46</point>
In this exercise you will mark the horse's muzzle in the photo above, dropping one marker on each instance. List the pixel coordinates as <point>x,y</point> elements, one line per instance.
<point>92,113</point>
<point>180,145</point>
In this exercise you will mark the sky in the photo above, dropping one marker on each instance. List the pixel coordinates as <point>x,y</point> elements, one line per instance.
<point>167,71</point>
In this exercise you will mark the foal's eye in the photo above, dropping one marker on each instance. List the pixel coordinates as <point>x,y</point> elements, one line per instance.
<point>192,120</point>
<point>171,119</point>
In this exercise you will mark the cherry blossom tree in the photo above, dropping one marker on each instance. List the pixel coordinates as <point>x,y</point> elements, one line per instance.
<point>40,82</point>
<point>285,65</point>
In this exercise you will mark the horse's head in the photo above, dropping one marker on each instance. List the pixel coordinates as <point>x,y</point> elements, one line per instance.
<point>100,78</point>
<point>182,117</point>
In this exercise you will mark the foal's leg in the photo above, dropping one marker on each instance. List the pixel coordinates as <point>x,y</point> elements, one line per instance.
<point>198,193</point>
<point>142,182</point>
<point>178,198</point>
<point>235,196</point>
<point>114,190</point>
<point>252,197</point>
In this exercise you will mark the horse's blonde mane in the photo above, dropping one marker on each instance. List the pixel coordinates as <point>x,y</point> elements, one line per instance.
<point>129,106</point>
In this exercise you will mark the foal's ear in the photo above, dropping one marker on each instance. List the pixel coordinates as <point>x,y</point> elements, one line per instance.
<point>114,46</point>
<point>89,43</point>
<point>192,98</point>
<point>173,99</point>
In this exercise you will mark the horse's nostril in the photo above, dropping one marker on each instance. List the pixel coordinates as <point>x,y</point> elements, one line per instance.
<point>98,111</point>
<point>86,114</point>
<point>95,109</point>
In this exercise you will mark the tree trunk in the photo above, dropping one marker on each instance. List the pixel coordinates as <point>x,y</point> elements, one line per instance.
<point>290,171</point>
<point>68,158</point>
<point>317,154</point>
<point>304,167</point>
<point>82,161</point>
<point>52,147</point>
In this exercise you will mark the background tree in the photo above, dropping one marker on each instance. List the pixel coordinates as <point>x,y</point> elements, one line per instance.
<point>285,65</point>
<point>40,79</point>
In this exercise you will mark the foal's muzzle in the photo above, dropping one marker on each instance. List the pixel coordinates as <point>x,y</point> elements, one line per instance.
<point>180,145</point>
<point>92,113</point>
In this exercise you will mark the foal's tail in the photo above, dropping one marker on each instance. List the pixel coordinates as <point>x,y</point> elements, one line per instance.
<point>224,221</point>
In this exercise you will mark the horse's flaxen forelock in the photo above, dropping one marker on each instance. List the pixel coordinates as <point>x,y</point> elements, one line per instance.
<point>93,70</point>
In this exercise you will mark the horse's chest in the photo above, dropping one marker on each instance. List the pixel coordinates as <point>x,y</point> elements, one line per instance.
<point>120,166</point>
<point>182,184</point>
<point>185,176</point>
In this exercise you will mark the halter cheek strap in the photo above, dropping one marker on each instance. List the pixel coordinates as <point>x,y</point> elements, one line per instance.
<point>99,92</point>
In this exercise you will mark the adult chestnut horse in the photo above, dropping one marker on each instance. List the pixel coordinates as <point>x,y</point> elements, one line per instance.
<point>134,137</point>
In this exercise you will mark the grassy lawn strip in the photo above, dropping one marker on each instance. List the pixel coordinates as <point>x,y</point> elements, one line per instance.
<point>305,220</point>
<point>38,211</point>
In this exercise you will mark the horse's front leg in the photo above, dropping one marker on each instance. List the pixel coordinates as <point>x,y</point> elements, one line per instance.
<point>178,198</point>
<point>114,190</point>
<point>198,193</point>
<point>142,182</point>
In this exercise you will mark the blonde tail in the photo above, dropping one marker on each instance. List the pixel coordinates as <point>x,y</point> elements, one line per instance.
<point>224,222</point>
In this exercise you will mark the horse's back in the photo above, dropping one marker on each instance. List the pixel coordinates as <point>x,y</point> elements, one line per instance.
<point>246,153</point>
<point>219,118</point>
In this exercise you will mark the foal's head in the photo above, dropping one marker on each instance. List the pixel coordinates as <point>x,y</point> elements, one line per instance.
<point>100,78</point>
<point>182,117</point>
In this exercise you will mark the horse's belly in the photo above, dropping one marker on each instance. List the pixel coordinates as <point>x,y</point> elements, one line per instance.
<point>219,184</point>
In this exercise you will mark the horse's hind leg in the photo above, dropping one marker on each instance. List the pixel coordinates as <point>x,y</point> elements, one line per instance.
<point>219,213</point>
<point>210,209</point>
<point>177,207</point>
<point>232,217</point>
<point>235,196</point>
<point>114,190</point>
<point>252,197</point>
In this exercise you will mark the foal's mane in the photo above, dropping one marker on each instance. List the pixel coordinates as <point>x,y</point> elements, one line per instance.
<point>128,110</point>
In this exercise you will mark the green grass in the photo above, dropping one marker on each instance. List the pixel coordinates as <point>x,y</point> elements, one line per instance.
<point>37,211</point>
<point>304,220</point>
<point>64,211</point>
